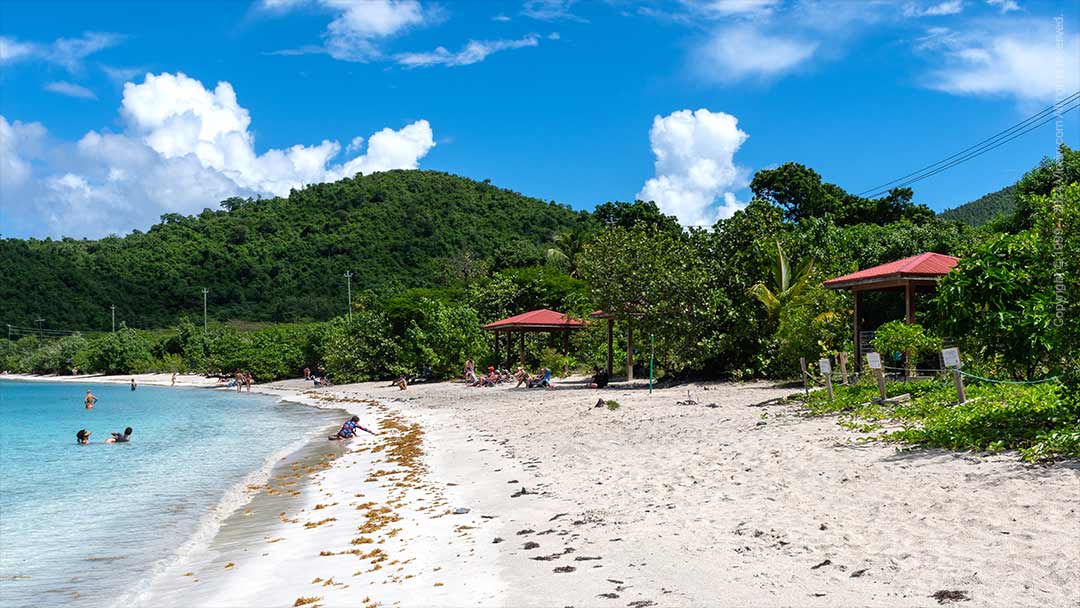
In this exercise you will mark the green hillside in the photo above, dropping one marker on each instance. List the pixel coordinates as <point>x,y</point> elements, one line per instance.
<point>282,259</point>
<point>984,208</point>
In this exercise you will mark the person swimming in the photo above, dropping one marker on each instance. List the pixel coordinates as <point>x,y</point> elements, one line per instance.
<point>349,429</point>
<point>82,437</point>
<point>90,400</point>
<point>120,438</point>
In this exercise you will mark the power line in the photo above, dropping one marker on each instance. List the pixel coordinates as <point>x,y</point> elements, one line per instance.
<point>972,155</point>
<point>1002,137</point>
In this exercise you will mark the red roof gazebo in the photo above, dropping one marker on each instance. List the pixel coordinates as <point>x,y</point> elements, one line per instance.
<point>542,320</point>
<point>919,272</point>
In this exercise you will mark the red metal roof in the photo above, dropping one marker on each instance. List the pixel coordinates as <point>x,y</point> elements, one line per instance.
<point>537,319</point>
<point>927,265</point>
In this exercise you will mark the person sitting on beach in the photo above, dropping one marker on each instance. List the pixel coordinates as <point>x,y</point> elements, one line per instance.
<point>82,437</point>
<point>600,378</point>
<point>349,429</point>
<point>307,373</point>
<point>402,382</point>
<point>541,381</point>
<point>120,437</point>
<point>90,400</point>
<point>491,379</point>
<point>522,376</point>
<point>470,373</point>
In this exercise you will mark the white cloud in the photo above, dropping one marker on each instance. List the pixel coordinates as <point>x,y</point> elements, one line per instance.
<point>1019,60</point>
<point>1004,6</point>
<point>744,51</point>
<point>13,50</point>
<point>68,53</point>
<point>19,142</point>
<point>550,10</point>
<point>357,27</point>
<point>354,145</point>
<point>949,7</point>
<point>726,8</point>
<point>70,89</point>
<point>500,17</point>
<point>695,165</point>
<point>184,147</point>
<point>473,52</point>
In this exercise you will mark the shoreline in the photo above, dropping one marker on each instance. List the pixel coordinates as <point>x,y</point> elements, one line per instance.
<point>701,494</point>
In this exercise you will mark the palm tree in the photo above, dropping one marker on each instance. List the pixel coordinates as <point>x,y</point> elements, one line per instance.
<point>564,250</point>
<point>786,285</point>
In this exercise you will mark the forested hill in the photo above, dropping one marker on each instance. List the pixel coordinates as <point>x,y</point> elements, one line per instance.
<point>984,208</point>
<point>282,258</point>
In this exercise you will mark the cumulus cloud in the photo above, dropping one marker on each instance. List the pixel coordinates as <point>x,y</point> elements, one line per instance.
<point>19,142</point>
<point>474,51</point>
<point>949,7</point>
<point>357,27</point>
<point>695,165</point>
<point>744,52</point>
<point>184,147</point>
<point>1019,60</point>
<point>70,89</point>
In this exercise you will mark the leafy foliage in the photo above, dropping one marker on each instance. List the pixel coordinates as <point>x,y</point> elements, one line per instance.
<point>281,259</point>
<point>911,340</point>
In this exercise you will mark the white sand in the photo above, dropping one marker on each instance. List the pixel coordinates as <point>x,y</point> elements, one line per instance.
<point>737,505</point>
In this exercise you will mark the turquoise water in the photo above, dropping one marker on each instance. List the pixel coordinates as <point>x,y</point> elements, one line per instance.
<point>86,525</point>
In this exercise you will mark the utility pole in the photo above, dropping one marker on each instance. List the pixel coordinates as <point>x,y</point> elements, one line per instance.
<point>348,286</point>
<point>113,307</point>
<point>39,322</point>
<point>204,292</point>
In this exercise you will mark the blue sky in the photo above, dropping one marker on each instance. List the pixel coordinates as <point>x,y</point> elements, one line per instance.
<point>578,102</point>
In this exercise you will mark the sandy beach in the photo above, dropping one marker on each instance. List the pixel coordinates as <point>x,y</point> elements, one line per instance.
<point>514,497</point>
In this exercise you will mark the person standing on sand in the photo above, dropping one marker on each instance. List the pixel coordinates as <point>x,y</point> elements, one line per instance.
<point>239,377</point>
<point>248,380</point>
<point>173,379</point>
<point>90,400</point>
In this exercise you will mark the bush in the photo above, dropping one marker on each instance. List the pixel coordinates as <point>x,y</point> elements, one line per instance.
<point>911,340</point>
<point>361,350</point>
<point>119,352</point>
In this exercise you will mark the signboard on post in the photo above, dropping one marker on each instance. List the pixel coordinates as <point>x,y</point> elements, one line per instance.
<point>825,365</point>
<point>873,360</point>
<point>951,357</point>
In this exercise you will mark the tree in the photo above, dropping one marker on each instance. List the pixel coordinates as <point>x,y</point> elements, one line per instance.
<point>565,249</point>
<point>786,285</point>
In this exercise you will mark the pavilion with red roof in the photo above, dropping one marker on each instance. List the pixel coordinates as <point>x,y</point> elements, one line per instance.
<point>916,273</point>
<point>542,320</point>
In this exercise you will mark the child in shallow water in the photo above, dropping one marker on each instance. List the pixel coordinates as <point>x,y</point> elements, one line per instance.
<point>82,437</point>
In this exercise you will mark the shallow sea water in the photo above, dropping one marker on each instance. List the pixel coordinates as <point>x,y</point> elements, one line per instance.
<point>86,525</point>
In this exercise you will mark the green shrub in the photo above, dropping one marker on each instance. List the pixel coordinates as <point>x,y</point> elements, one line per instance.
<point>123,351</point>
<point>911,340</point>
